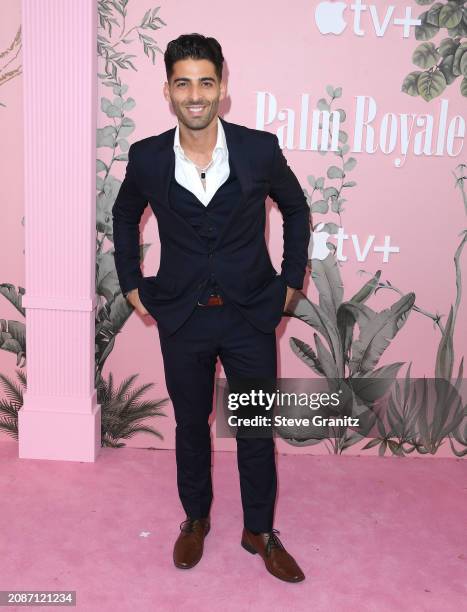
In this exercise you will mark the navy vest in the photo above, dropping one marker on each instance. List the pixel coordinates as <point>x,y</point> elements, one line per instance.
<point>207,221</point>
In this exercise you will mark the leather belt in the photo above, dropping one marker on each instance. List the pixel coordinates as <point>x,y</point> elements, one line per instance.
<point>214,300</point>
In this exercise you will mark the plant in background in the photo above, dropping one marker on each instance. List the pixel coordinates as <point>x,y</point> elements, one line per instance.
<point>9,407</point>
<point>113,309</point>
<point>459,434</point>
<point>348,364</point>
<point>448,408</point>
<point>419,415</point>
<point>444,63</point>
<point>345,360</point>
<point>122,411</point>
<point>330,196</point>
<point>12,340</point>
<point>12,332</point>
<point>109,12</point>
<point>8,70</point>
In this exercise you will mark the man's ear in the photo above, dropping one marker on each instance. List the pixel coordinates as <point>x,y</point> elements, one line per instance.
<point>166,91</point>
<point>223,90</point>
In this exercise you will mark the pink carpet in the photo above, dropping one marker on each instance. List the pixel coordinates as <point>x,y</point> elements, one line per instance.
<point>371,534</point>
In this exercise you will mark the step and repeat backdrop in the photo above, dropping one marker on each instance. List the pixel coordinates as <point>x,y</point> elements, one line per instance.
<point>368,101</point>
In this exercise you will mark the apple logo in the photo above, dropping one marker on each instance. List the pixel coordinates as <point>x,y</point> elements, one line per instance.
<point>317,248</point>
<point>329,19</point>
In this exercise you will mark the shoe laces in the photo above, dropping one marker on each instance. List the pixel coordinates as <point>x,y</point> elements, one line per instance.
<point>273,541</point>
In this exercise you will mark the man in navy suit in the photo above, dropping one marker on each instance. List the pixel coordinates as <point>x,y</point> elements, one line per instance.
<point>216,293</point>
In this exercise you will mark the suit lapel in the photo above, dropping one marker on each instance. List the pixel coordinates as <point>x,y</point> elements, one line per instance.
<point>238,155</point>
<point>239,161</point>
<point>163,163</point>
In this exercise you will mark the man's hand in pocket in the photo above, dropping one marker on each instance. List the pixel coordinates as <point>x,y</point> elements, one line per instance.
<point>133,298</point>
<point>288,298</point>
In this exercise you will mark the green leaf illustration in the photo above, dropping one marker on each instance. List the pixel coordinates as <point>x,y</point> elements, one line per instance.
<point>306,354</point>
<point>410,84</point>
<point>461,49</point>
<point>450,15</point>
<point>432,15</point>
<point>334,172</point>
<point>445,354</point>
<point>448,46</point>
<point>376,331</point>
<point>446,68</point>
<point>426,30</point>
<point>327,279</point>
<point>425,55</point>
<point>431,84</point>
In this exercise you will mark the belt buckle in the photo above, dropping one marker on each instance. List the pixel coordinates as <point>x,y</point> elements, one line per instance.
<point>213,300</point>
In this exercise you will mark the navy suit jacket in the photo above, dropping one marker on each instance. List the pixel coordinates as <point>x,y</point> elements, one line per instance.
<point>239,257</point>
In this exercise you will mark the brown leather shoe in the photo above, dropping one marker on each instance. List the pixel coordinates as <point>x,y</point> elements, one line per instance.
<point>188,548</point>
<point>276,559</point>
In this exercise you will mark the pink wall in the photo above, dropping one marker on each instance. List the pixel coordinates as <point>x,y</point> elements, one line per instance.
<point>277,49</point>
<point>11,170</point>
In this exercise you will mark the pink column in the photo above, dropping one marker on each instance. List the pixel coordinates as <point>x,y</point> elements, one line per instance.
<point>60,417</point>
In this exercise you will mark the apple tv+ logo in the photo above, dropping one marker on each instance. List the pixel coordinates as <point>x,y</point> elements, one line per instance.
<point>318,247</point>
<point>329,18</point>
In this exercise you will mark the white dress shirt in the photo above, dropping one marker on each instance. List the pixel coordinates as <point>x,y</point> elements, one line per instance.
<point>187,175</point>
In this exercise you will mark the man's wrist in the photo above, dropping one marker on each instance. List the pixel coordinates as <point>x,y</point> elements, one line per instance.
<point>127,293</point>
<point>295,288</point>
<point>294,282</point>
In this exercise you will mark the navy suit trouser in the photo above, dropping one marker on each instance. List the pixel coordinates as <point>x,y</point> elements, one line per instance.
<point>190,356</point>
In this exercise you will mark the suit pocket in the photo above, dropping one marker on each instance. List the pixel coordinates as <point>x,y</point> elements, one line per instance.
<point>160,288</point>
<point>257,279</point>
<point>142,292</point>
<point>166,284</point>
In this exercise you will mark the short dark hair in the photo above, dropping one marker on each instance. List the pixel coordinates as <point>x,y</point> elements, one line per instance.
<point>193,46</point>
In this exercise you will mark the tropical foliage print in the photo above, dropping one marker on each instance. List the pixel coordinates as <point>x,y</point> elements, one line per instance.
<point>126,413</point>
<point>123,409</point>
<point>444,62</point>
<point>349,339</point>
<point>10,68</point>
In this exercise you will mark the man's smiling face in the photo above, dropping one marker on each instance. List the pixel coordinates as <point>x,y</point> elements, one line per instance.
<point>195,91</point>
